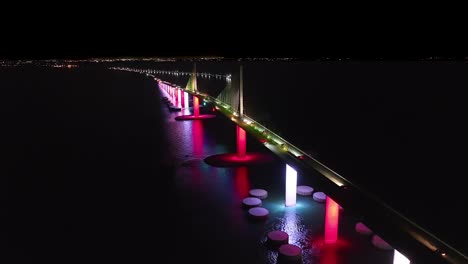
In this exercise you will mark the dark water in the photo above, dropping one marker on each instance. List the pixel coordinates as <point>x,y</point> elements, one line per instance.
<point>395,128</point>
<point>80,162</point>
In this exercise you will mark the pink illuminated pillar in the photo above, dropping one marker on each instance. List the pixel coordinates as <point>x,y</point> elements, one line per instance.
<point>182,99</point>
<point>179,99</point>
<point>241,142</point>
<point>196,110</point>
<point>332,211</point>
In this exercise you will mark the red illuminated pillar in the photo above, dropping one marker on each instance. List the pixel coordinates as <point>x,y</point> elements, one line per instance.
<point>241,142</point>
<point>196,110</point>
<point>332,211</point>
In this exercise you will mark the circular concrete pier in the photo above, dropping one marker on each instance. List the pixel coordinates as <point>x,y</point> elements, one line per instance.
<point>362,229</point>
<point>277,238</point>
<point>232,160</point>
<point>250,202</point>
<point>192,117</point>
<point>304,190</point>
<point>289,253</point>
<point>258,213</point>
<point>320,197</point>
<point>378,242</point>
<point>258,193</point>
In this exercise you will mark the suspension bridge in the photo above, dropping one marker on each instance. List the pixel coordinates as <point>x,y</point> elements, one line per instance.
<point>405,236</point>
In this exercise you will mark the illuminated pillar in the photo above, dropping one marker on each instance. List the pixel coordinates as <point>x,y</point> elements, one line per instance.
<point>182,99</point>
<point>179,99</point>
<point>332,211</point>
<point>186,103</point>
<point>291,185</point>
<point>196,110</point>
<point>241,142</point>
<point>399,258</point>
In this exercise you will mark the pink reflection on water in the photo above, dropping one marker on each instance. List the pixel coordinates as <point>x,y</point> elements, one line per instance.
<point>329,256</point>
<point>241,182</point>
<point>197,136</point>
<point>329,253</point>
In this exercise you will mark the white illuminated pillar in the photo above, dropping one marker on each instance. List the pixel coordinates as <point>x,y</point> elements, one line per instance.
<point>179,99</point>
<point>291,185</point>
<point>186,100</point>
<point>399,258</point>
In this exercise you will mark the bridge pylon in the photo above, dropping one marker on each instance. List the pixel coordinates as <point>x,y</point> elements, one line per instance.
<point>192,87</point>
<point>241,157</point>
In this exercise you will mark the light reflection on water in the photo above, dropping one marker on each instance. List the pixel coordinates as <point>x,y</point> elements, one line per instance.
<point>197,136</point>
<point>291,224</point>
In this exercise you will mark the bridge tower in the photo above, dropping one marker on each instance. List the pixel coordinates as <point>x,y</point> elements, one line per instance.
<point>192,87</point>
<point>234,97</point>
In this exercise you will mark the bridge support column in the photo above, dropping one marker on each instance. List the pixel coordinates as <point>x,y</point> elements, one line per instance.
<point>241,142</point>
<point>196,107</point>
<point>173,95</point>
<point>291,186</point>
<point>186,103</point>
<point>399,258</point>
<point>179,98</point>
<point>332,211</point>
